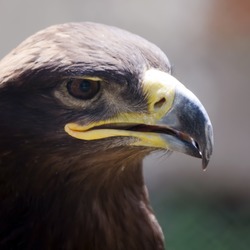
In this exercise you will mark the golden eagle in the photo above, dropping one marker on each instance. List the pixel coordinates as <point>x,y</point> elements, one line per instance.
<point>81,105</point>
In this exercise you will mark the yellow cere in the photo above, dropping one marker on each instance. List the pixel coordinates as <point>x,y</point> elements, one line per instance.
<point>158,85</point>
<point>159,88</point>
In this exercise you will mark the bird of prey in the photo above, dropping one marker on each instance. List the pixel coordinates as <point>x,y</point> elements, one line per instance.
<point>81,105</point>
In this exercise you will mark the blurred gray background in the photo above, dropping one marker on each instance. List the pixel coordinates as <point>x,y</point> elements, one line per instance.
<point>208,42</point>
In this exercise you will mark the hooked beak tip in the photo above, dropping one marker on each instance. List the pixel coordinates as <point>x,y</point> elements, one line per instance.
<point>207,148</point>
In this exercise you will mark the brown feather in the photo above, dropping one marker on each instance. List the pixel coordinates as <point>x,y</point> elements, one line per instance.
<point>57,192</point>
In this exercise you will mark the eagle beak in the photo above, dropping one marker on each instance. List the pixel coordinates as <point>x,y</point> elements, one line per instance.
<point>190,129</point>
<point>175,120</point>
<point>190,124</point>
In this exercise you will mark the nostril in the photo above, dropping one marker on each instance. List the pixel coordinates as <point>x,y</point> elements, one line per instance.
<point>159,104</point>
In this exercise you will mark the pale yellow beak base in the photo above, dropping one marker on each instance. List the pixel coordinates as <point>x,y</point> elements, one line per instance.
<point>143,139</point>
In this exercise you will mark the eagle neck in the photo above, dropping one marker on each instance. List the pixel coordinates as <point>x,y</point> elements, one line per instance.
<point>120,210</point>
<point>100,204</point>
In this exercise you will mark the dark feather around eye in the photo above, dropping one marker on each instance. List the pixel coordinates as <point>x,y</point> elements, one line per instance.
<point>83,89</point>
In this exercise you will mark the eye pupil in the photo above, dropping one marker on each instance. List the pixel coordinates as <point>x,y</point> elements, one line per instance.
<point>83,89</point>
<point>85,85</point>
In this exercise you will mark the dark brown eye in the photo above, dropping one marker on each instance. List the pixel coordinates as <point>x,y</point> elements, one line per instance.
<point>84,89</point>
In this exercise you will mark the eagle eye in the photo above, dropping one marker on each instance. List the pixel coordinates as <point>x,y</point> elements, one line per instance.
<point>83,89</point>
